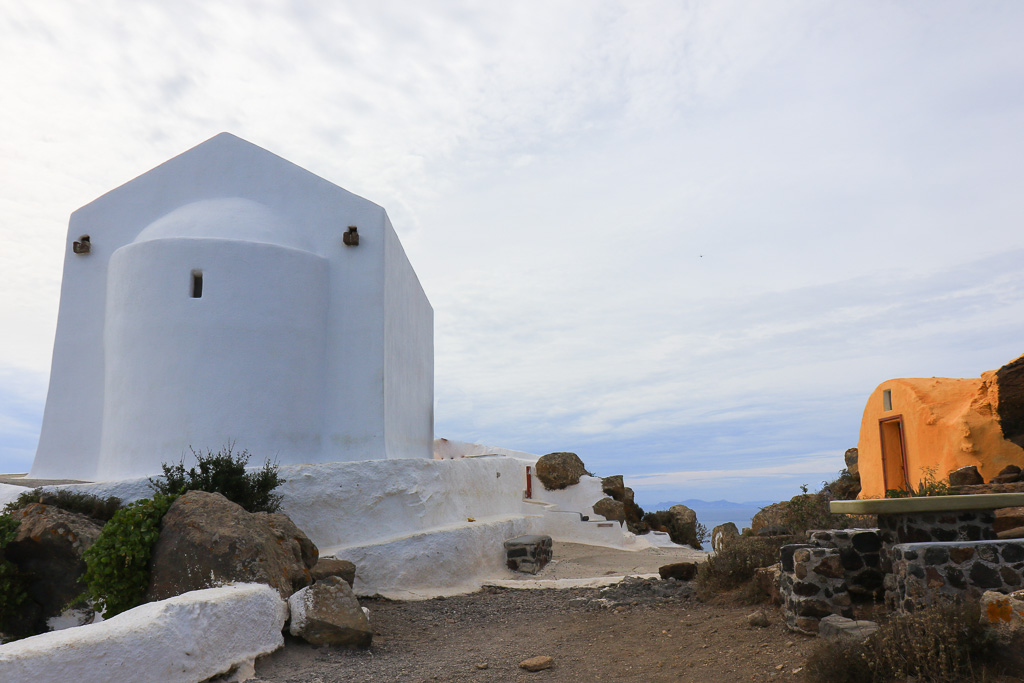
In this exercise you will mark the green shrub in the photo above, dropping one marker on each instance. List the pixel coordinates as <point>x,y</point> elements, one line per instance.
<point>947,642</point>
<point>224,473</point>
<point>928,486</point>
<point>844,487</point>
<point>811,510</point>
<point>101,509</point>
<point>13,582</point>
<point>735,564</point>
<point>117,564</point>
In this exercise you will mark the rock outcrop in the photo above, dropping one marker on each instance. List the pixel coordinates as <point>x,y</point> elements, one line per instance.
<point>1010,389</point>
<point>722,535</point>
<point>610,509</point>
<point>632,513</point>
<point>328,613</point>
<point>966,476</point>
<point>560,470</point>
<point>49,547</point>
<point>770,517</point>
<point>852,466</point>
<point>679,522</point>
<point>206,540</point>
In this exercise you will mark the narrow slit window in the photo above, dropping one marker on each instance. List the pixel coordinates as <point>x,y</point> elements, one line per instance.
<point>197,284</point>
<point>887,399</point>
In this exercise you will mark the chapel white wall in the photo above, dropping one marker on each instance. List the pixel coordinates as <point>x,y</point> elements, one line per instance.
<point>352,416</point>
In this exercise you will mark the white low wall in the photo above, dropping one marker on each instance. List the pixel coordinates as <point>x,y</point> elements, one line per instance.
<point>395,518</point>
<point>187,638</point>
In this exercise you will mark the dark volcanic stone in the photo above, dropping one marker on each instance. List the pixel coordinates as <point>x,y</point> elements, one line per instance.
<point>966,476</point>
<point>1010,407</point>
<point>984,576</point>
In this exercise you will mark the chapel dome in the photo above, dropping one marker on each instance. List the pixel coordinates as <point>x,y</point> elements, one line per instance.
<point>227,218</point>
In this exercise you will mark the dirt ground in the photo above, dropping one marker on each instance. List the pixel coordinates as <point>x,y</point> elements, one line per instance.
<point>640,630</point>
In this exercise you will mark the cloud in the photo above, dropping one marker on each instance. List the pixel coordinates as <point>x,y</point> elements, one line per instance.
<point>671,231</point>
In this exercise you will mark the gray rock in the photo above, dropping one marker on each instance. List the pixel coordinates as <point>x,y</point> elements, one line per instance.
<point>49,546</point>
<point>679,522</point>
<point>329,566</point>
<point>610,509</point>
<point>560,470</point>
<point>328,613</point>
<point>206,540</point>
<point>722,534</point>
<point>773,516</point>
<point>966,476</point>
<point>835,626</point>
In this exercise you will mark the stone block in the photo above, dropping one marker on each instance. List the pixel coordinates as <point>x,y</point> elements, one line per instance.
<point>835,626</point>
<point>528,554</point>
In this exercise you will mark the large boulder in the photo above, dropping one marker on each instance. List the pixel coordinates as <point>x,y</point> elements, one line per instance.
<point>633,514</point>
<point>1010,407</point>
<point>49,547</point>
<point>328,613</point>
<point>771,516</point>
<point>559,470</point>
<point>206,540</point>
<point>611,510</point>
<point>614,486</point>
<point>722,535</point>
<point>966,476</point>
<point>679,522</point>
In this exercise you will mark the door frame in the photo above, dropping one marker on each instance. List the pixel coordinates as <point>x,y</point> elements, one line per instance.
<point>898,419</point>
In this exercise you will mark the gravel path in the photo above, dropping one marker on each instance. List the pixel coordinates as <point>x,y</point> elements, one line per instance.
<point>638,630</point>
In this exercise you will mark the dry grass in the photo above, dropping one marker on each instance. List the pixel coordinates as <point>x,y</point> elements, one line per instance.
<point>942,643</point>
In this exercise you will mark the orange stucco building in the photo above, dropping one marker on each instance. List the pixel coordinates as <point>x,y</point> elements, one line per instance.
<point>941,423</point>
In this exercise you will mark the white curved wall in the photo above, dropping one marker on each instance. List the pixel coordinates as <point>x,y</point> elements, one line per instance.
<point>244,362</point>
<point>358,386</point>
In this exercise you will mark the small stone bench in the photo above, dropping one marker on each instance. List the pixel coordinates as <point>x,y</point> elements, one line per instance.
<point>528,554</point>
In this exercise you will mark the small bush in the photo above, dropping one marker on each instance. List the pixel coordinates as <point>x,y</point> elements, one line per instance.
<point>928,486</point>
<point>13,583</point>
<point>117,564</point>
<point>943,643</point>
<point>735,564</point>
<point>844,487</point>
<point>224,473</point>
<point>811,510</point>
<point>101,509</point>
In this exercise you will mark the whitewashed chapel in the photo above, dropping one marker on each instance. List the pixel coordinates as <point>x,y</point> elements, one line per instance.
<point>229,295</point>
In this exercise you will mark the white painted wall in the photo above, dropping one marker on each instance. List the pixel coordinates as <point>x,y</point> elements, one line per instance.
<point>301,349</point>
<point>187,638</point>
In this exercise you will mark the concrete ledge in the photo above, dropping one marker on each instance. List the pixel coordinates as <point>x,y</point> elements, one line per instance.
<point>187,638</point>
<point>889,506</point>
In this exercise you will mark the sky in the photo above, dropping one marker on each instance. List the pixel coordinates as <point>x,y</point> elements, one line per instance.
<point>685,240</point>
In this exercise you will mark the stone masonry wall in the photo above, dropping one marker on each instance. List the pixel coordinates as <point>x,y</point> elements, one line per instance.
<point>928,527</point>
<point>860,555</point>
<point>812,586</point>
<point>924,571</point>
